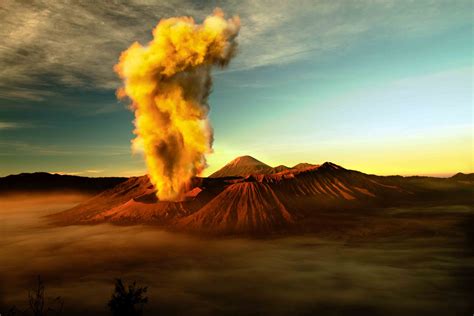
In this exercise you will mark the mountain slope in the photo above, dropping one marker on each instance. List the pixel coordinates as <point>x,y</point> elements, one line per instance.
<point>280,168</point>
<point>303,165</point>
<point>118,195</point>
<point>469,177</point>
<point>134,201</point>
<point>241,208</point>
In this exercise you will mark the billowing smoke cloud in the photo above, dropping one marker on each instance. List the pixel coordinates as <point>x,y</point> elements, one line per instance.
<point>169,83</point>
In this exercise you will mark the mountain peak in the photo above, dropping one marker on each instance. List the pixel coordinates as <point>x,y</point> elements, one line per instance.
<point>245,166</point>
<point>241,167</point>
<point>303,165</point>
<point>245,160</point>
<point>330,166</point>
<point>463,176</point>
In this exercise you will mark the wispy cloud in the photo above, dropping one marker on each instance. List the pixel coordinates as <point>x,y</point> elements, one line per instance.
<point>12,91</point>
<point>14,148</point>
<point>93,171</point>
<point>46,43</point>
<point>15,125</point>
<point>76,173</point>
<point>132,172</point>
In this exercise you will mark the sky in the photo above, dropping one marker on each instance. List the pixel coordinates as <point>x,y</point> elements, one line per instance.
<point>379,86</point>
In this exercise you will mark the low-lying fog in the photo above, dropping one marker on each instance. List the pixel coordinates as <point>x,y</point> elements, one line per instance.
<point>186,275</point>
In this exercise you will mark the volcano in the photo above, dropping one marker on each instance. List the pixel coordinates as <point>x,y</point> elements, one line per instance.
<point>248,196</point>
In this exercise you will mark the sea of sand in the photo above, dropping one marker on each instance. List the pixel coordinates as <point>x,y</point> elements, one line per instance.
<point>190,275</point>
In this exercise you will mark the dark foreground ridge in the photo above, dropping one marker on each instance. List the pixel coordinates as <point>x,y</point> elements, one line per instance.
<point>291,199</point>
<point>40,182</point>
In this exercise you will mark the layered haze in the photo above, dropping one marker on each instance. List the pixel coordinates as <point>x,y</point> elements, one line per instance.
<point>356,274</point>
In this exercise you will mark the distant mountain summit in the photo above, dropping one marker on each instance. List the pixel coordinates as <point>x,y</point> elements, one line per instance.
<point>245,166</point>
<point>463,177</point>
<point>241,167</point>
<point>304,165</point>
<point>280,168</point>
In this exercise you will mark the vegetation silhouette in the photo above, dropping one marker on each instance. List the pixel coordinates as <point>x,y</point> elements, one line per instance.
<point>128,300</point>
<point>37,303</point>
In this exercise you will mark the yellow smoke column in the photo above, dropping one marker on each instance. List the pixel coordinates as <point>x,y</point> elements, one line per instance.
<point>169,82</point>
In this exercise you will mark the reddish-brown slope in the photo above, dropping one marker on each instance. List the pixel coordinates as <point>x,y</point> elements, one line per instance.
<point>304,166</point>
<point>241,207</point>
<point>328,186</point>
<point>331,181</point>
<point>138,212</point>
<point>133,187</point>
<point>331,186</point>
<point>134,201</point>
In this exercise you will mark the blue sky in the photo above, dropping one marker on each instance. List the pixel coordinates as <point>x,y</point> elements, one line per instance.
<point>379,86</point>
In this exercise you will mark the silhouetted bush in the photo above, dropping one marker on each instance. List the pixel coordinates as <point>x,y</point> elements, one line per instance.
<point>127,301</point>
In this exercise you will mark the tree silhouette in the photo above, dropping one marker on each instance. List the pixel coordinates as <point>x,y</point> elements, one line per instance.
<point>127,301</point>
<point>36,301</point>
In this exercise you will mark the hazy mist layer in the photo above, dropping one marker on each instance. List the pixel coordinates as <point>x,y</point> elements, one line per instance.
<point>186,275</point>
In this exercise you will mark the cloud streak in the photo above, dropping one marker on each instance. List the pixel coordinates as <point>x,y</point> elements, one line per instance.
<point>13,148</point>
<point>14,125</point>
<point>50,43</point>
<point>83,172</point>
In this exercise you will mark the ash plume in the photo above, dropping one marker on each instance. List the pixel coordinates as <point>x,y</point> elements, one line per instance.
<point>169,82</point>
